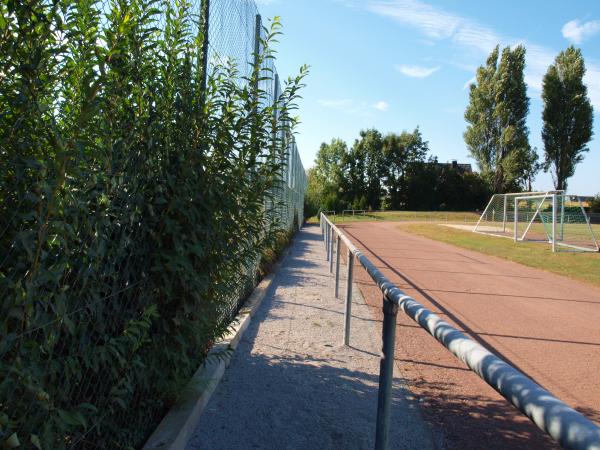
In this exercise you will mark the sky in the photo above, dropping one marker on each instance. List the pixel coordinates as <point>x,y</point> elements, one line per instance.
<point>397,64</point>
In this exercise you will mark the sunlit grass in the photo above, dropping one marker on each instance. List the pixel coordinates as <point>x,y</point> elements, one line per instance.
<point>583,266</point>
<point>404,216</point>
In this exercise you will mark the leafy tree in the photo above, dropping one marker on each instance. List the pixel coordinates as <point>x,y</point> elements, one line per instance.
<point>353,185</point>
<point>132,211</point>
<point>421,187</point>
<point>313,195</point>
<point>369,150</point>
<point>481,135</point>
<point>325,178</point>
<point>595,204</point>
<point>567,115</point>
<point>392,167</point>
<point>458,191</point>
<point>433,186</point>
<point>329,162</point>
<point>399,153</point>
<point>497,135</point>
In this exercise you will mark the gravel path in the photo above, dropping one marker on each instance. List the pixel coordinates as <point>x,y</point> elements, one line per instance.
<point>292,384</point>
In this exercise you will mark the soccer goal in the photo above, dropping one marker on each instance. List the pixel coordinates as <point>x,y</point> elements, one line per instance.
<point>552,216</point>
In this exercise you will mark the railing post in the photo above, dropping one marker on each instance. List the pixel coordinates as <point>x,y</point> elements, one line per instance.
<point>331,241</point>
<point>386,374</point>
<point>327,226</point>
<point>337,265</point>
<point>348,310</point>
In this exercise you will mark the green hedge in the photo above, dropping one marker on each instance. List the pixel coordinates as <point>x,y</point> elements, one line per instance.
<point>131,213</point>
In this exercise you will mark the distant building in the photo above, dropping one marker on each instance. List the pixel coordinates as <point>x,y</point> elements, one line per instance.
<point>459,167</point>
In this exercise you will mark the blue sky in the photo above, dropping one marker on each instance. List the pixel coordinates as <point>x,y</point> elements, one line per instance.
<point>396,64</point>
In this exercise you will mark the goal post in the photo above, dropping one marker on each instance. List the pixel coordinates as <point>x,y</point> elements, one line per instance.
<point>554,222</point>
<point>552,216</point>
<point>535,215</point>
<point>500,216</point>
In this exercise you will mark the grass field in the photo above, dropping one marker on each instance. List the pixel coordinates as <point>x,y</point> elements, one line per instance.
<point>405,216</point>
<point>579,266</point>
<point>576,235</point>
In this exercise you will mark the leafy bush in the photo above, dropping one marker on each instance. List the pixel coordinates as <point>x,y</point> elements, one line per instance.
<point>132,212</point>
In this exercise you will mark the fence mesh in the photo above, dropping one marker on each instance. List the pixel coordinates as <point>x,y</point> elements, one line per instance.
<point>76,342</point>
<point>236,30</point>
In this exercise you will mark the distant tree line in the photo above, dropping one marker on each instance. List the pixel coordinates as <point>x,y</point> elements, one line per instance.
<point>395,171</point>
<point>392,171</point>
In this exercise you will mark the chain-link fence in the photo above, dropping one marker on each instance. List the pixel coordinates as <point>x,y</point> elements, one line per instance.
<point>126,246</point>
<point>236,32</point>
<point>236,36</point>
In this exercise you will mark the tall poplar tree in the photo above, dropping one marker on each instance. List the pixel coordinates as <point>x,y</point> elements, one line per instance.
<point>497,135</point>
<point>567,116</point>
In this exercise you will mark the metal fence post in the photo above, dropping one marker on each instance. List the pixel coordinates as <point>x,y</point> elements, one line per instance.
<point>256,73</point>
<point>504,216</point>
<point>516,221</point>
<point>348,310</point>
<point>337,265</point>
<point>386,374</point>
<point>562,216</point>
<point>204,21</point>
<point>257,30</point>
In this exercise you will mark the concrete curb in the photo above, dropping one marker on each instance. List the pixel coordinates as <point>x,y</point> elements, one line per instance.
<point>177,427</point>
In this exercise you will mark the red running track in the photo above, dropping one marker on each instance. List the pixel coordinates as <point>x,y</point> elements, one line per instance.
<point>546,325</point>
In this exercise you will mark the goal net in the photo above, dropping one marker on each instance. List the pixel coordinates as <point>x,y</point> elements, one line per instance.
<point>553,217</point>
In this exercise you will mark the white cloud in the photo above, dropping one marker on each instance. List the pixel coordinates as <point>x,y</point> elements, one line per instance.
<point>436,23</point>
<point>340,105</point>
<point>354,4</point>
<point>577,32</point>
<point>477,40</point>
<point>381,106</point>
<point>469,82</point>
<point>353,107</point>
<point>416,71</point>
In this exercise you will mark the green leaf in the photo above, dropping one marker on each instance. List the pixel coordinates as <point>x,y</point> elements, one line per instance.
<point>35,440</point>
<point>72,418</point>
<point>12,441</point>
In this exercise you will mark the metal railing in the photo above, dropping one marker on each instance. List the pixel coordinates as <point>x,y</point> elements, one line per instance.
<point>570,428</point>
